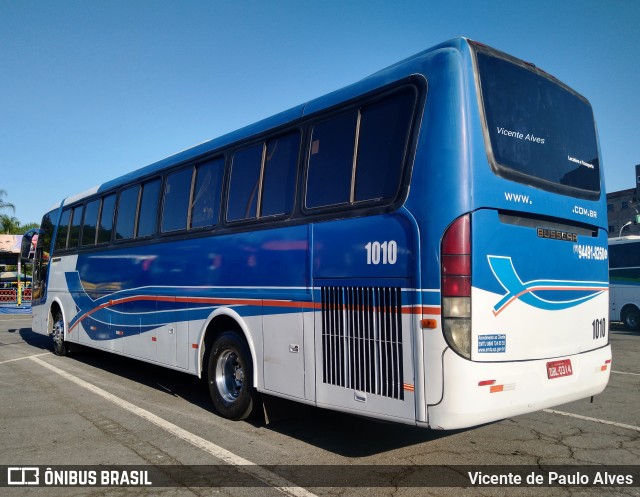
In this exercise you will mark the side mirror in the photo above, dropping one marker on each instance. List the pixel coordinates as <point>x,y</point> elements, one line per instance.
<point>27,249</point>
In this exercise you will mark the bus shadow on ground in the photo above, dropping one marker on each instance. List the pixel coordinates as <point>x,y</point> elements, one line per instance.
<point>343,434</point>
<point>33,339</point>
<point>350,435</point>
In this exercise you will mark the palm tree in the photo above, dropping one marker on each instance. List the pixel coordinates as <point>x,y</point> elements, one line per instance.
<point>6,205</point>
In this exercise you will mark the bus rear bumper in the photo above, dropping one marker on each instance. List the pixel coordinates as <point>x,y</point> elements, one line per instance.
<point>477,392</point>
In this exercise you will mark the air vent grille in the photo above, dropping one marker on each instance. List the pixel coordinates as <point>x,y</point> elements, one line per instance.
<point>362,339</point>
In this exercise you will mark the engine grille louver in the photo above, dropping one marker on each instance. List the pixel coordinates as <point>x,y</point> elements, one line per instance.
<point>362,339</point>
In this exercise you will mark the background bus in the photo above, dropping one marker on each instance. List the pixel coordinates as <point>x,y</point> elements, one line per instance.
<point>624,277</point>
<point>426,246</point>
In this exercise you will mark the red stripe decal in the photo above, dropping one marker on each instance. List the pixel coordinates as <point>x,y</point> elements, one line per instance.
<point>286,304</point>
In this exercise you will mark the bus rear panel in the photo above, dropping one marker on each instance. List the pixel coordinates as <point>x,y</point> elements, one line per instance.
<point>524,283</point>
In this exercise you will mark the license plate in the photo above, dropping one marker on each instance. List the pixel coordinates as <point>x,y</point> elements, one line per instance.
<point>557,369</point>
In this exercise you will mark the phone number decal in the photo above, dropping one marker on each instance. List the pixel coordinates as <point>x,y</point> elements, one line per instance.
<point>590,252</point>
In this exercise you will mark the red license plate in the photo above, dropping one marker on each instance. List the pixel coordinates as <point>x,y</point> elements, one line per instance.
<point>557,369</point>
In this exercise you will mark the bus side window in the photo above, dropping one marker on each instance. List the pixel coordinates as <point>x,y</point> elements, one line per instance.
<point>624,255</point>
<point>47,227</point>
<point>279,176</point>
<point>206,194</point>
<point>105,227</point>
<point>90,223</point>
<point>175,207</point>
<point>148,209</point>
<point>126,215</point>
<point>63,230</point>
<point>331,161</point>
<point>245,181</point>
<point>382,143</point>
<point>74,229</point>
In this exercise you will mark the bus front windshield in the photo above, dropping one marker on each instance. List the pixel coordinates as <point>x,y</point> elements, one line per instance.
<point>539,131</point>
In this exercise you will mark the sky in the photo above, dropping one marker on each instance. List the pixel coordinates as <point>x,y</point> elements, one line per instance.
<point>91,90</point>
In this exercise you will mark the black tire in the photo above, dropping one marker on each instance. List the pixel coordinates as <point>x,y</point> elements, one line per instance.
<point>631,319</point>
<point>60,345</point>
<point>230,376</point>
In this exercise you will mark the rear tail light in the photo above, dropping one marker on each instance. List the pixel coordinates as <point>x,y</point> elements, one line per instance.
<point>456,285</point>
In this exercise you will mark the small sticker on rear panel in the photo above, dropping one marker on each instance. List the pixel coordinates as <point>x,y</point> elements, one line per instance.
<point>492,344</point>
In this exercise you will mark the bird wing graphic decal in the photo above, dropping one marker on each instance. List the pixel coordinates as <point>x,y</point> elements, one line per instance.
<point>516,289</point>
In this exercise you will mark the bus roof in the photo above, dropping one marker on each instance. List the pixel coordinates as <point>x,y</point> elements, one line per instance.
<point>624,239</point>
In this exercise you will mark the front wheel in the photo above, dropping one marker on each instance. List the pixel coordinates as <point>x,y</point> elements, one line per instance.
<point>230,376</point>
<point>60,345</point>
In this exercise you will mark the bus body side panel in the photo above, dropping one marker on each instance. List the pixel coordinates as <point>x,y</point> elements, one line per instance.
<point>40,317</point>
<point>620,297</point>
<point>363,286</point>
<point>58,293</point>
<point>153,302</point>
<point>625,287</point>
<point>440,192</point>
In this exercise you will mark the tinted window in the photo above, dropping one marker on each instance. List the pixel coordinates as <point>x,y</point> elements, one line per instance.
<point>90,223</point>
<point>540,132</point>
<point>126,214</point>
<point>47,227</point>
<point>148,208</point>
<point>63,230</point>
<point>74,231</point>
<point>206,194</point>
<point>382,142</point>
<point>331,161</point>
<point>176,201</point>
<point>279,177</point>
<point>245,178</point>
<point>106,219</point>
<point>624,255</point>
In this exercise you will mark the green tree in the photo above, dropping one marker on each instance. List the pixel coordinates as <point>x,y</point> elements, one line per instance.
<point>6,205</point>
<point>26,227</point>
<point>10,225</point>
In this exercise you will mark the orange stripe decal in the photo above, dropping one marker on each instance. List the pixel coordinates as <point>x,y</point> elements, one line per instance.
<point>421,309</point>
<point>544,289</point>
<point>287,304</point>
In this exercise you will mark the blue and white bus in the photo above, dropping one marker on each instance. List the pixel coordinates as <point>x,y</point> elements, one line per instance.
<point>624,277</point>
<point>426,246</point>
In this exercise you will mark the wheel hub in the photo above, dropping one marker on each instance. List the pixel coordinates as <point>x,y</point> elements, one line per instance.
<point>229,376</point>
<point>58,331</point>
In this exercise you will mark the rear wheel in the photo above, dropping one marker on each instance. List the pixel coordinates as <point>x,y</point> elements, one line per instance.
<point>631,318</point>
<point>230,374</point>
<point>60,345</point>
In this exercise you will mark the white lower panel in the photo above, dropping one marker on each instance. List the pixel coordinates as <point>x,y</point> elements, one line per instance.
<point>519,387</point>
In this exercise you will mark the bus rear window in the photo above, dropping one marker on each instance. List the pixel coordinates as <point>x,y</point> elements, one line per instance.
<point>540,132</point>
